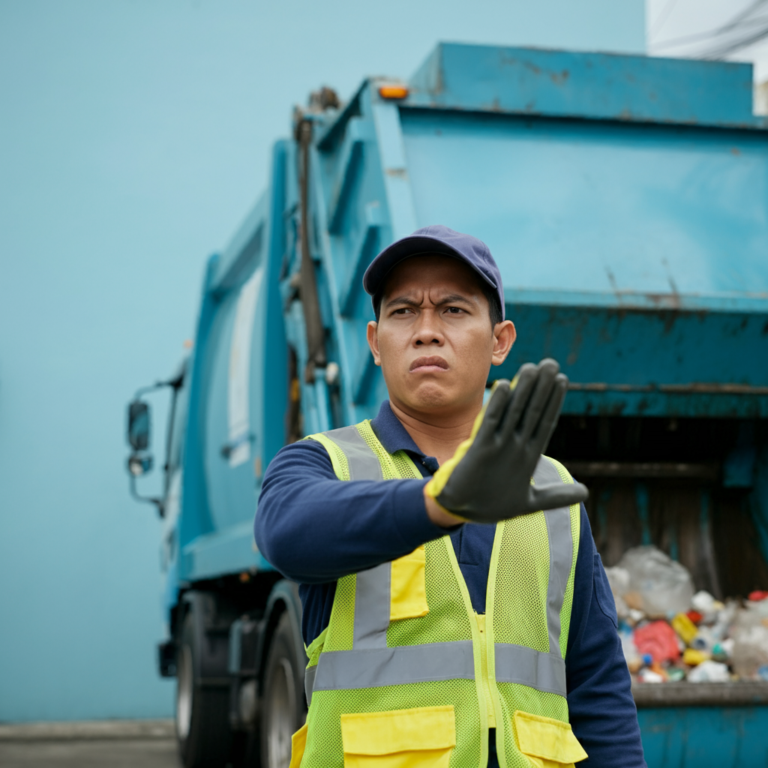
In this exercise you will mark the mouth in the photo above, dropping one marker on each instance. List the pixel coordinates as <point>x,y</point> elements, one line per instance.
<point>428,364</point>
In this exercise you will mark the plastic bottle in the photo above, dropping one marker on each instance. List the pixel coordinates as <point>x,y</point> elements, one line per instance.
<point>685,628</point>
<point>693,658</point>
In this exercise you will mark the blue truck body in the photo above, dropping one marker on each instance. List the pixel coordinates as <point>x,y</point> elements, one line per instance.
<point>625,199</point>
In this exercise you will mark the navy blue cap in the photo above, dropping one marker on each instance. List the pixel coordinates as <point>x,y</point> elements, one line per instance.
<point>436,239</point>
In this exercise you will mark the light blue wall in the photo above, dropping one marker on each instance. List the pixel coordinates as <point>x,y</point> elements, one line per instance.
<point>134,137</point>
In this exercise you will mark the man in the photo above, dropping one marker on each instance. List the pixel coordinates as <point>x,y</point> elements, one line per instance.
<point>448,619</point>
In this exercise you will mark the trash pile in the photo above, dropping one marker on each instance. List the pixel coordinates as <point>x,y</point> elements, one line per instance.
<point>669,633</point>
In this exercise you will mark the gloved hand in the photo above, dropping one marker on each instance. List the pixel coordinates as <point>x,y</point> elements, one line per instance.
<point>488,479</point>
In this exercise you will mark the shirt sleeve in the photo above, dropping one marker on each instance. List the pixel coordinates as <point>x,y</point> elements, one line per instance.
<point>602,711</point>
<point>314,529</point>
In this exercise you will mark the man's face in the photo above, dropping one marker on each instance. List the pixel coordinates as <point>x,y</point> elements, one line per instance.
<point>434,339</point>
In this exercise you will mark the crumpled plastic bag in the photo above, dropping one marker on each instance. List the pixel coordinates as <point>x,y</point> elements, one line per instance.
<point>657,584</point>
<point>709,672</point>
<point>618,578</point>
<point>750,642</point>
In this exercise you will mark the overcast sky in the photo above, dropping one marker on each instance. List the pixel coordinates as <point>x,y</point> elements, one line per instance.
<point>669,20</point>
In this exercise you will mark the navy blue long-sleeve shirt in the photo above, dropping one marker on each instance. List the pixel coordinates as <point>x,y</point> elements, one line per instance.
<point>315,529</point>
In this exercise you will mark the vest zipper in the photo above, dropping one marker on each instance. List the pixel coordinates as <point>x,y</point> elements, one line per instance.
<point>480,618</point>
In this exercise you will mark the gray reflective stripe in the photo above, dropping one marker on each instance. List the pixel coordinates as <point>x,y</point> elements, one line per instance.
<point>343,670</point>
<point>560,552</point>
<point>542,671</point>
<point>346,670</point>
<point>363,462</point>
<point>372,607</point>
<point>372,593</point>
<point>309,682</point>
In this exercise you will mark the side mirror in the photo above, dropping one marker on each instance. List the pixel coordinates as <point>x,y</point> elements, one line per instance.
<point>138,426</point>
<point>139,465</point>
<point>139,436</point>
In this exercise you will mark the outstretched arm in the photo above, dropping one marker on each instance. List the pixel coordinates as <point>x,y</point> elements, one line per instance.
<point>314,528</point>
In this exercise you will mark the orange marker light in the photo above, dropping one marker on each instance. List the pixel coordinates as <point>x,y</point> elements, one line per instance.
<point>393,91</point>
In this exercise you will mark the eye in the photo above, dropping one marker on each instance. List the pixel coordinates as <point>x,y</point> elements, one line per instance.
<point>402,311</point>
<point>455,310</point>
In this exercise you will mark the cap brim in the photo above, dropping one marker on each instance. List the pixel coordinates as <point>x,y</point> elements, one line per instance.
<point>416,245</point>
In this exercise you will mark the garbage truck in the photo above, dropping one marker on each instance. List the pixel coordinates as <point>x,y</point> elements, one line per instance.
<point>625,199</point>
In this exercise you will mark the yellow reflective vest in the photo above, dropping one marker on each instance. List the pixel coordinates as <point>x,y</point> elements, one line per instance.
<point>407,674</point>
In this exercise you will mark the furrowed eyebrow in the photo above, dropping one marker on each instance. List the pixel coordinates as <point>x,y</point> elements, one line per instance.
<point>407,301</point>
<point>452,298</point>
<point>455,298</point>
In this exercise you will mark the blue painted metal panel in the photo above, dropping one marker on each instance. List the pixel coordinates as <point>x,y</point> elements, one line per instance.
<point>274,381</point>
<point>195,519</point>
<point>638,362</point>
<point>169,547</point>
<point>589,85</point>
<point>676,215</point>
<point>219,500</point>
<point>705,737</point>
<point>228,488</point>
<point>376,189</point>
<point>624,250</point>
<point>238,260</point>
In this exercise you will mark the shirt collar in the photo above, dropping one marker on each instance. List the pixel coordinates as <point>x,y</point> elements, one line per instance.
<point>391,433</point>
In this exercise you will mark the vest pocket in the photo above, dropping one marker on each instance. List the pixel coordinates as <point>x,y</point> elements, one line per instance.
<point>403,738</point>
<point>408,594</point>
<point>547,743</point>
<point>298,745</point>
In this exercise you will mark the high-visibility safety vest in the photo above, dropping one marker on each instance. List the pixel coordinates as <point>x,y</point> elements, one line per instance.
<point>406,674</point>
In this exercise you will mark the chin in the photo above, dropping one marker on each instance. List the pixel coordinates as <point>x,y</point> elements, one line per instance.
<point>432,398</point>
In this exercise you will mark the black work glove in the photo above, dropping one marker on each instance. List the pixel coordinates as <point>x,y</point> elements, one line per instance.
<point>488,479</point>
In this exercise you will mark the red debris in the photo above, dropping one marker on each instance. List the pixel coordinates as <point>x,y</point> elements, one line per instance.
<point>659,640</point>
<point>757,595</point>
<point>694,616</point>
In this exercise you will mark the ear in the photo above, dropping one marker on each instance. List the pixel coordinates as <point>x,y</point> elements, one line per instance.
<point>504,335</point>
<point>373,341</point>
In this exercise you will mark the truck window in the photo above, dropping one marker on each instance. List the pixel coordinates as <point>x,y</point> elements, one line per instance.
<point>176,428</point>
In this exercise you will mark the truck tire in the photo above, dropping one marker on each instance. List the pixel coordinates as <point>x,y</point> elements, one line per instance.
<point>246,750</point>
<point>202,707</point>
<point>283,711</point>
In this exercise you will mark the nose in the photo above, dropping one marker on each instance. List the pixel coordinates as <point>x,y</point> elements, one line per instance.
<point>427,330</point>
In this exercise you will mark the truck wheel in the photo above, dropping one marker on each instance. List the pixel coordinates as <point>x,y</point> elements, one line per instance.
<point>202,712</point>
<point>283,704</point>
<point>246,750</point>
